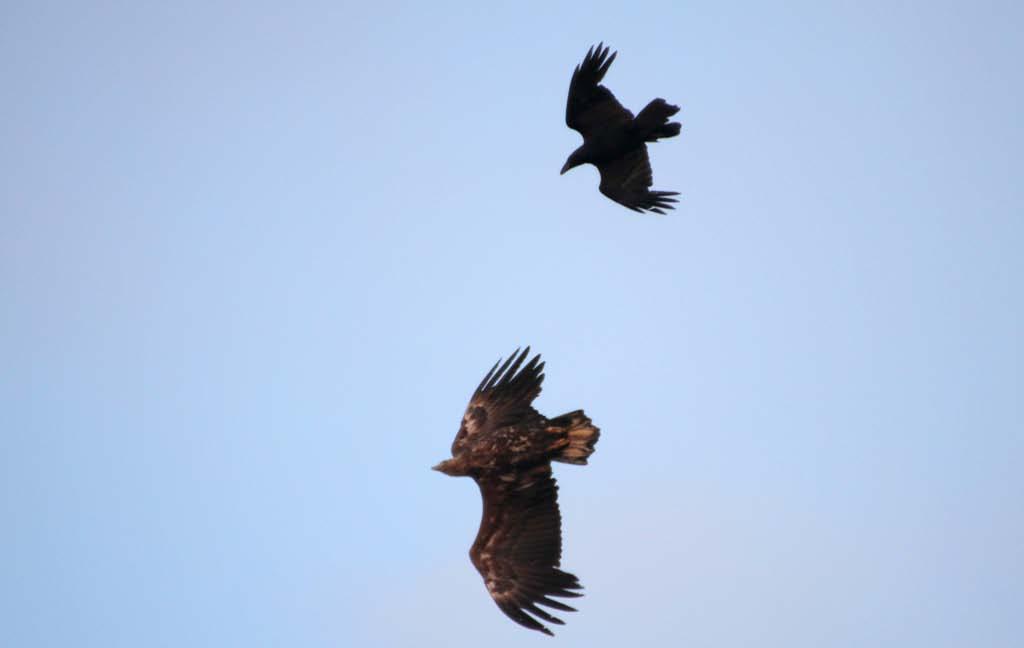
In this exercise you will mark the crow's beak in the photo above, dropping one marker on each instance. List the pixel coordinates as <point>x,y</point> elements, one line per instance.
<point>565,168</point>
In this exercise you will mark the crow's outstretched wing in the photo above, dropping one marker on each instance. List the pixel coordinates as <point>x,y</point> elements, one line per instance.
<point>627,180</point>
<point>591,107</point>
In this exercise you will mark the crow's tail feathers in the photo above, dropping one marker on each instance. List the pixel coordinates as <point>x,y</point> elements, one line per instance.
<point>653,123</point>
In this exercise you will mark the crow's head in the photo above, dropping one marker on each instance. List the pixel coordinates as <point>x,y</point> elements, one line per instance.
<point>574,160</point>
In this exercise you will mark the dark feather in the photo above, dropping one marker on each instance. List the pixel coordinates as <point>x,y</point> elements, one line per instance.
<point>503,396</point>
<point>519,546</point>
<point>592,107</point>
<point>627,181</point>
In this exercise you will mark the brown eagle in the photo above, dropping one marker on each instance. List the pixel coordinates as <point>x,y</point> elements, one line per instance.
<point>614,140</point>
<point>507,447</point>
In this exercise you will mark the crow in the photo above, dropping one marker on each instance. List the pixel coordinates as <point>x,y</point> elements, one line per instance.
<point>614,140</point>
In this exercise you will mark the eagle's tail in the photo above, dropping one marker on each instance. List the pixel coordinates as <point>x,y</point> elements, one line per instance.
<point>653,123</point>
<point>577,436</point>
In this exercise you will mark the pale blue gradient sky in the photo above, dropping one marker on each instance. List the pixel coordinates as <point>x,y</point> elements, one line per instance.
<point>254,259</point>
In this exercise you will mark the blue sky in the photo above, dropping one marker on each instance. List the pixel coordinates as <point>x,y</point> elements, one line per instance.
<point>254,259</point>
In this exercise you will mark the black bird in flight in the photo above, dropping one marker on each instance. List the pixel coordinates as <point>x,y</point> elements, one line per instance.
<point>507,447</point>
<point>614,140</point>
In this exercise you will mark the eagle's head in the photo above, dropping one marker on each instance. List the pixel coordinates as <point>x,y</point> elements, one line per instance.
<point>452,467</point>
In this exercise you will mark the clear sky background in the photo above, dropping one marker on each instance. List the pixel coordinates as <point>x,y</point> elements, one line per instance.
<point>255,257</point>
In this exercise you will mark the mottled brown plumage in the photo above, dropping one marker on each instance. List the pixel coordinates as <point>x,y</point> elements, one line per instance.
<point>613,140</point>
<point>507,447</point>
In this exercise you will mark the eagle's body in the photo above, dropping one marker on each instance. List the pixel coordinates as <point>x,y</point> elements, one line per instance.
<point>507,447</point>
<point>613,139</point>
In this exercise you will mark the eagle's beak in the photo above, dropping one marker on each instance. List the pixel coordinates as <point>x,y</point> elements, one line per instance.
<point>437,467</point>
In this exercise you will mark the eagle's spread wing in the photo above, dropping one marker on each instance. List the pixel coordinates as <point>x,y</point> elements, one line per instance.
<point>519,546</point>
<point>592,107</point>
<point>627,181</point>
<point>502,398</point>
